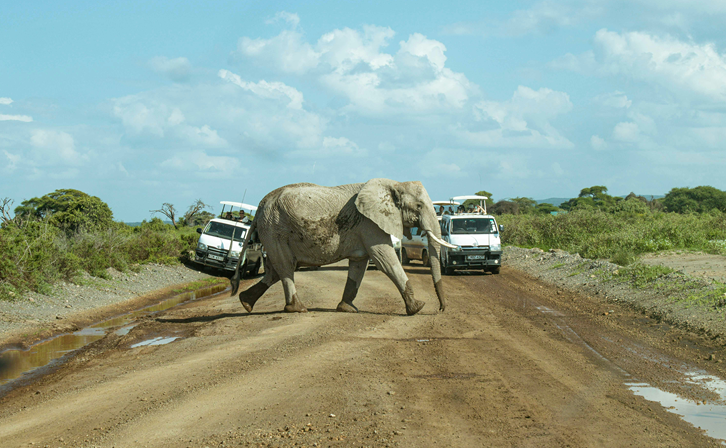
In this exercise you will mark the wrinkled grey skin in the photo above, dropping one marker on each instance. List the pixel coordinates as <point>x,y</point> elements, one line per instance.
<point>310,225</point>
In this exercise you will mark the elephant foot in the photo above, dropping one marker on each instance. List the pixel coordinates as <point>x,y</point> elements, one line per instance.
<point>295,306</point>
<point>249,297</point>
<point>345,307</point>
<point>415,307</point>
<point>247,306</point>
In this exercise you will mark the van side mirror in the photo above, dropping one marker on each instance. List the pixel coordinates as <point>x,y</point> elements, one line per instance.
<point>199,230</point>
<point>501,228</point>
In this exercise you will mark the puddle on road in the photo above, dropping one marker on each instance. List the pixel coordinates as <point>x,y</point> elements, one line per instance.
<point>708,416</point>
<point>156,341</point>
<point>18,363</point>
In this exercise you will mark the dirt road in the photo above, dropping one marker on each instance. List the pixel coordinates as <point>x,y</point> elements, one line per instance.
<point>511,362</point>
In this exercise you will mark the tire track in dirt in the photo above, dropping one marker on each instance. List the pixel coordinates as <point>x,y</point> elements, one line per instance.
<point>487,372</point>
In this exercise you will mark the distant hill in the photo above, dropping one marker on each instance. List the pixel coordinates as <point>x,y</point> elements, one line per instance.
<point>136,224</point>
<point>557,201</point>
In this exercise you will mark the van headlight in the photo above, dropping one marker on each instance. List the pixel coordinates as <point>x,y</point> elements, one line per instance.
<point>496,247</point>
<point>202,246</point>
<point>234,254</point>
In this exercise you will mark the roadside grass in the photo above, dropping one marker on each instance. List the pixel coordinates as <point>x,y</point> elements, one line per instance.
<point>199,284</point>
<point>37,254</point>
<point>618,236</point>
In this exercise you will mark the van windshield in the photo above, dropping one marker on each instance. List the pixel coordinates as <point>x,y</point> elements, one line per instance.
<point>222,230</point>
<point>473,225</point>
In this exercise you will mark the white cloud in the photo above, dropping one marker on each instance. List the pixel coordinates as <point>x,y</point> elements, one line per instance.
<point>597,143</point>
<point>291,18</point>
<point>13,160</point>
<point>351,63</point>
<point>23,118</point>
<point>5,101</point>
<point>332,147</point>
<point>177,69</point>
<point>523,121</point>
<point>53,147</point>
<point>681,67</point>
<point>264,89</point>
<point>615,99</point>
<point>203,164</point>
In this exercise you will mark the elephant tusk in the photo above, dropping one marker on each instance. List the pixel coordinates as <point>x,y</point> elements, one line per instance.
<point>438,240</point>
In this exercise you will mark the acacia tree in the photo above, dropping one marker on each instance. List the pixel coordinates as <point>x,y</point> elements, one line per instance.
<point>195,209</point>
<point>68,209</point>
<point>5,205</point>
<point>169,211</point>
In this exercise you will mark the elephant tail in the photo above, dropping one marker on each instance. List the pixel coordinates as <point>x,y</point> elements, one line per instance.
<point>234,282</point>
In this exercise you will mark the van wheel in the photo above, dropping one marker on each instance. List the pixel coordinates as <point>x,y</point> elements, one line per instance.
<point>449,271</point>
<point>425,259</point>
<point>404,257</point>
<point>256,270</point>
<point>495,270</point>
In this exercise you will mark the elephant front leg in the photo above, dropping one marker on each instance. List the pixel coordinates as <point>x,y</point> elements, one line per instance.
<point>385,258</point>
<point>356,271</point>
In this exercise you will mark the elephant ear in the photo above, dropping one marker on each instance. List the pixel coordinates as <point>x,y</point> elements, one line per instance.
<point>379,201</point>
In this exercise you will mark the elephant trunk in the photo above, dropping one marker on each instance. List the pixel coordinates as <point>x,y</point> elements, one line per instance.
<point>430,224</point>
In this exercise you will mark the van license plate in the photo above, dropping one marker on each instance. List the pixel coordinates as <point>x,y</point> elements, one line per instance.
<point>215,257</point>
<point>476,257</point>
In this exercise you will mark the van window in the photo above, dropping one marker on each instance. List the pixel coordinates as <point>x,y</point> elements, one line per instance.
<point>222,230</point>
<point>414,231</point>
<point>473,225</point>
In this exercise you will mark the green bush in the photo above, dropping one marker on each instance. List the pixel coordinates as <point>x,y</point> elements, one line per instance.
<point>621,235</point>
<point>37,253</point>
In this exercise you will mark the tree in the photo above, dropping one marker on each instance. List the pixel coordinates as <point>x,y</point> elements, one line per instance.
<point>593,197</point>
<point>505,208</point>
<point>489,202</point>
<point>699,200</point>
<point>68,209</point>
<point>5,205</point>
<point>193,211</point>
<point>526,205</point>
<point>547,208</point>
<point>169,211</point>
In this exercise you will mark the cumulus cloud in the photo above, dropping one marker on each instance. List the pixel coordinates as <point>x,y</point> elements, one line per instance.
<point>273,90</point>
<point>615,99</point>
<point>597,143</point>
<point>50,146</point>
<point>352,63</point>
<point>5,101</point>
<point>523,121</point>
<point>203,164</point>
<point>23,118</point>
<point>332,147</point>
<point>177,69</point>
<point>681,67</point>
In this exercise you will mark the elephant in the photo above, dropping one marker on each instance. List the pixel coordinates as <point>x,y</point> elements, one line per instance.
<point>310,225</point>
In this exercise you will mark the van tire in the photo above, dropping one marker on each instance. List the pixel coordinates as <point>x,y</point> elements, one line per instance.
<point>404,257</point>
<point>495,270</point>
<point>256,270</point>
<point>425,259</point>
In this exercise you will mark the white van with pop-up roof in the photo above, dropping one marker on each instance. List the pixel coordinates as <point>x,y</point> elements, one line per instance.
<point>477,236</point>
<point>220,241</point>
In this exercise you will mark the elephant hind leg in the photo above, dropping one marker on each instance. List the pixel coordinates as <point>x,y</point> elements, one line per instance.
<point>249,297</point>
<point>356,271</point>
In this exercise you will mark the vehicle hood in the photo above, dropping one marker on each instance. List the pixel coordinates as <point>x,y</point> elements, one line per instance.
<point>219,243</point>
<point>479,239</point>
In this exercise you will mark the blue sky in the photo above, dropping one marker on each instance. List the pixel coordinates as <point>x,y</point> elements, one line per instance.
<point>142,103</point>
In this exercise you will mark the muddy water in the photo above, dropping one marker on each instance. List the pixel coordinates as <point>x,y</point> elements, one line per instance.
<point>15,364</point>
<point>708,416</point>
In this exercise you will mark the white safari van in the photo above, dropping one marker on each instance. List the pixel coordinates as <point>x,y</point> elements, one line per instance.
<point>476,233</point>
<point>220,242</point>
